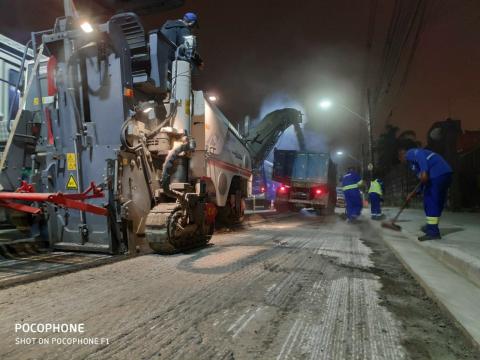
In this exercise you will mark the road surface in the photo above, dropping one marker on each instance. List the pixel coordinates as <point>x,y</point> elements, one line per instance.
<point>303,287</point>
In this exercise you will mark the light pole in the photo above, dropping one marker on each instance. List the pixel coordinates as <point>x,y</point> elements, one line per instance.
<point>326,104</point>
<point>341,153</point>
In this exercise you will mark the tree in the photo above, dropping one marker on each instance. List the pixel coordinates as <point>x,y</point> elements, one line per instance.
<point>388,144</point>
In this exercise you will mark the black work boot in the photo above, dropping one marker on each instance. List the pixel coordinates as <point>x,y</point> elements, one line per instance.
<point>429,237</point>
<point>424,228</point>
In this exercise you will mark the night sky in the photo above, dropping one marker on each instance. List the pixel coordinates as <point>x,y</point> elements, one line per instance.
<point>265,54</point>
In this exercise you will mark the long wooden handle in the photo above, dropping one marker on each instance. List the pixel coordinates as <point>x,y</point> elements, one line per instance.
<point>407,200</point>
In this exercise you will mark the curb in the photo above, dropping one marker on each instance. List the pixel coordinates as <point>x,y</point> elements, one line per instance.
<point>462,263</point>
<point>430,291</point>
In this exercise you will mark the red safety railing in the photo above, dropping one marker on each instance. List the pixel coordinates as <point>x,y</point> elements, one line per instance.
<point>26,192</point>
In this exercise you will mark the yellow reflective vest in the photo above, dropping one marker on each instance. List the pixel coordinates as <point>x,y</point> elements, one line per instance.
<point>375,187</point>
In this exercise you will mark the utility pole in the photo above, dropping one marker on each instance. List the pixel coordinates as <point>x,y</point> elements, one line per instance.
<point>370,136</point>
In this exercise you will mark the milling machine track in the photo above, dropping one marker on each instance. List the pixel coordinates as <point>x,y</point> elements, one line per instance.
<point>162,235</point>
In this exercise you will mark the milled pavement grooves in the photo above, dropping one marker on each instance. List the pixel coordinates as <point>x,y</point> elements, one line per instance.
<point>303,288</point>
<point>295,289</point>
<point>32,264</point>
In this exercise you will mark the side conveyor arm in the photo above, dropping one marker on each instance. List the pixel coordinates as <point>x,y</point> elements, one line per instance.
<point>261,139</point>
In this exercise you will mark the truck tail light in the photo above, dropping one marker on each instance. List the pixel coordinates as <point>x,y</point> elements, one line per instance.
<point>262,189</point>
<point>283,189</point>
<point>320,191</point>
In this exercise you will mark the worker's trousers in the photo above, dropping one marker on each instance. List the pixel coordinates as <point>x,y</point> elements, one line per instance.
<point>375,204</point>
<point>434,198</point>
<point>353,203</point>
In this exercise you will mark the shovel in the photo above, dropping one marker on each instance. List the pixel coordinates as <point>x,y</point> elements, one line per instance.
<point>390,224</point>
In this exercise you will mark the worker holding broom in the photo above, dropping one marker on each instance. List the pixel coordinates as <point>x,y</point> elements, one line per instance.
<point>351,182</point>
<point>435,176</point>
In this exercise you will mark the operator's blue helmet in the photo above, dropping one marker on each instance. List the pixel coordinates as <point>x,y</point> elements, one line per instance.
<point>190,18</point>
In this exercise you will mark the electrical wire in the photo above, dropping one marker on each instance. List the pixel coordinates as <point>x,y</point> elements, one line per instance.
<point>406,26</point>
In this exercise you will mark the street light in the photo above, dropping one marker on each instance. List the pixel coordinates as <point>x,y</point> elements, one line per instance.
<point>341,153</point>
<point>86,27</point>
<point>212,98</point>
<point>325,104</point>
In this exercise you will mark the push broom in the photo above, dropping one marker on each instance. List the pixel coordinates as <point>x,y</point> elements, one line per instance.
<point>390,224</point>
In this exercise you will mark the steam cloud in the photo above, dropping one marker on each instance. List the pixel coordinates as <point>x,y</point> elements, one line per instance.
<point>314,141</point>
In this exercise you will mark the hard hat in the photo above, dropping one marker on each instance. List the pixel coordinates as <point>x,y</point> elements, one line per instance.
<point>190,18</point>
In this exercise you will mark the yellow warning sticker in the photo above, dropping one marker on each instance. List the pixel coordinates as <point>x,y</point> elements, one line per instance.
<point>71,161</point>
<point>45,100</point>
<point>72,183</point>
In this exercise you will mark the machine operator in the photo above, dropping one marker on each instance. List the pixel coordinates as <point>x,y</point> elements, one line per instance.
<point>176,30</point>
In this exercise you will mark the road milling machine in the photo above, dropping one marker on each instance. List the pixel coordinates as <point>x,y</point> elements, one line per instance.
<point>114,148</point>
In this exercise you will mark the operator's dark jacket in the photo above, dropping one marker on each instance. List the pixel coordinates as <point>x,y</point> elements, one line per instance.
<point>175,30</point>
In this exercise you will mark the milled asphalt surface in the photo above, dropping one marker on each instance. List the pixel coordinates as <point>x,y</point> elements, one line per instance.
<point>303,287</point>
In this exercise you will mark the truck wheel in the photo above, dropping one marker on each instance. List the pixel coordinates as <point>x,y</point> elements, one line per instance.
<point>232,214</point>
<point>281,207</point>
<point>330,210</point>
<point>325,211</point>
<point>293,208</point>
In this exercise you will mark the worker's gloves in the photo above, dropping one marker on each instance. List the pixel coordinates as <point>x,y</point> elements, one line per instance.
<point>423,177</point>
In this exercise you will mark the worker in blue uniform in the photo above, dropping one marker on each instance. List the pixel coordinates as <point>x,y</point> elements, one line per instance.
<point>375,197</point>
<point>177,30</point>
<point>435,174</point>
<point>351,182</point>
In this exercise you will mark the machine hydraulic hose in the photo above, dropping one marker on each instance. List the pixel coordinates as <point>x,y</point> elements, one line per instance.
<point>187,145</point>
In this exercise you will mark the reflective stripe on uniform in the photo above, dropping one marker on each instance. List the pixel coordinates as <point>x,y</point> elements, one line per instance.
<point>349,187</point>
<point>360,183</point>
<point>432,220</point>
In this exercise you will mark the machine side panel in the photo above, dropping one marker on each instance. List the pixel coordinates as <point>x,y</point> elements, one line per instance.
<point>105,99</point>
<point>227,156</point>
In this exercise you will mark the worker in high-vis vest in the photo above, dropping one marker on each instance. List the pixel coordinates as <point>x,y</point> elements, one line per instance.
<point>435,174</point>
<point>353,198</point>
<point>375,197</point>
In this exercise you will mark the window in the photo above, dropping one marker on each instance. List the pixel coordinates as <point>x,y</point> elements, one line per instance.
<point>13,96</point>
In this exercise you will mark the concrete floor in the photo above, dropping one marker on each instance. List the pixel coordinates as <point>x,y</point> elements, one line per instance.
<point>304,287</point>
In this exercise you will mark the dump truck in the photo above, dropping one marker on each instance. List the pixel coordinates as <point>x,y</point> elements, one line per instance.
<point>112,149</point>
<point>307,180</point>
